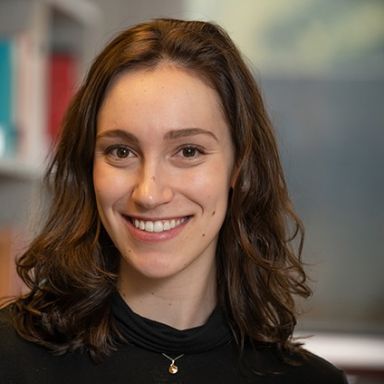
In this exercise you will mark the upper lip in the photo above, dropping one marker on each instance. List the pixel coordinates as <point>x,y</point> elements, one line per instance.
<point>134,217</point>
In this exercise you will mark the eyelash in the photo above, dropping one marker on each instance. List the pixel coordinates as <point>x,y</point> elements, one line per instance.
<point>112,151</point>
<point>109,151</point>
<point>195,148</point>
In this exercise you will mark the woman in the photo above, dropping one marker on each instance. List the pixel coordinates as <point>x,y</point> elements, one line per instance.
<point>166,256</point>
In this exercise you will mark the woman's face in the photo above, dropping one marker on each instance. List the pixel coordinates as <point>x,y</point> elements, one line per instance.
<point>162,169</point>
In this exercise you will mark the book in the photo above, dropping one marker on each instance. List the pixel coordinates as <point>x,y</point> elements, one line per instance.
<point>61,88</point>
<point>7,128</point>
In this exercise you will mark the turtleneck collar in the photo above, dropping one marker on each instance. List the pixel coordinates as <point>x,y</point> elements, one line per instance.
<point>159,337</point>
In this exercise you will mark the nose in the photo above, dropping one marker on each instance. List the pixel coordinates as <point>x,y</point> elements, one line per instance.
<point>152,187</point>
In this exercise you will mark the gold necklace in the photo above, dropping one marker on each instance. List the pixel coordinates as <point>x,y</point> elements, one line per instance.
<point>173,368</point>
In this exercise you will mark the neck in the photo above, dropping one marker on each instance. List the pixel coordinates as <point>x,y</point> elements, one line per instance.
<point>181,302</point>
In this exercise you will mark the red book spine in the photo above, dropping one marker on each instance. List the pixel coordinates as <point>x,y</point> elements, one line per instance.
<point>62,83</point>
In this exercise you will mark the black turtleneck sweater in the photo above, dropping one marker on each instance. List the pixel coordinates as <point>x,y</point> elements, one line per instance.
<point>208,355</point>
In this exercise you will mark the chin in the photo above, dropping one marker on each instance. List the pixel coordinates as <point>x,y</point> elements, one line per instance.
<point>152,267</point>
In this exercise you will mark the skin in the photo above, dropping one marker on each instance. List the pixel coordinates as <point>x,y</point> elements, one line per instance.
<point>164,151</point>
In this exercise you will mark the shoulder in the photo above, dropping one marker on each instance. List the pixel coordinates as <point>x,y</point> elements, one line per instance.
<point>14,350</point>
<point>301,369</point>
<point>25,362</point>
<point>11,342</point>
<point>21,361</point>
<point>315,369</point>
<point>8,335</point>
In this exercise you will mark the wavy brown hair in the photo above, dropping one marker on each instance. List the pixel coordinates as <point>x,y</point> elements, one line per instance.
<point>71,267</point>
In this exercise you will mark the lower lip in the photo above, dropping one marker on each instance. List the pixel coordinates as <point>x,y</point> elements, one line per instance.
<point>154,236</point>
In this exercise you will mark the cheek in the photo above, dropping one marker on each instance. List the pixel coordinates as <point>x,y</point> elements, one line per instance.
<point>109,186</point>
<point>210,189</point>
<point>218,195</point>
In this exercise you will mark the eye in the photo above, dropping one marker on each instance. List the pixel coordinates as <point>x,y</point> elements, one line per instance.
<point>188,155</point>
<point>122,152</point>
<point>118,152</point>
<point>190,152</point>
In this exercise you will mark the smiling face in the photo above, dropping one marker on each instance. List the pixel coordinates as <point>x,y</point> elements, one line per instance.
<point>162,168</point>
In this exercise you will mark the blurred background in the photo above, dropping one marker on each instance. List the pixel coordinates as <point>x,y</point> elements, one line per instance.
<point>320,65</point>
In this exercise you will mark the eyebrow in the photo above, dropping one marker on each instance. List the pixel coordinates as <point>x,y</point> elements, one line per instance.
<point>118,133</point>
<point>175,134</point>
<point>171,135</point>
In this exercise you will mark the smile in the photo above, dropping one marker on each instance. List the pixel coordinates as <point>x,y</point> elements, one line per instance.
<point>158,225</point>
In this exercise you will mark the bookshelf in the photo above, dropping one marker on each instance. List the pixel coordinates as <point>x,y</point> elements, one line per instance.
<point>42,58</point>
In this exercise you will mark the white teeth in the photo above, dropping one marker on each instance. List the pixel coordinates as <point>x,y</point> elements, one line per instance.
<point>158,225</point>
<point>149,226</point>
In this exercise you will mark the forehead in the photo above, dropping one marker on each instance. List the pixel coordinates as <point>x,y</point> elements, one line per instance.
<point>177,80</point>
<point>167,96</point>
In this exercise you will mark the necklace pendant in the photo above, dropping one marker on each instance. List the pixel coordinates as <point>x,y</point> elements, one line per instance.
<point>173,369</point>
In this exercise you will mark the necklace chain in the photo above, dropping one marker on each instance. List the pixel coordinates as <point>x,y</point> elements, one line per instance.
<point>173,368</point>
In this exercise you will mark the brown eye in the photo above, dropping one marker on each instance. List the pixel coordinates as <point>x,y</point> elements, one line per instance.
<point>122,152</point>
<point>118,152</point>
<point>190,151</point>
